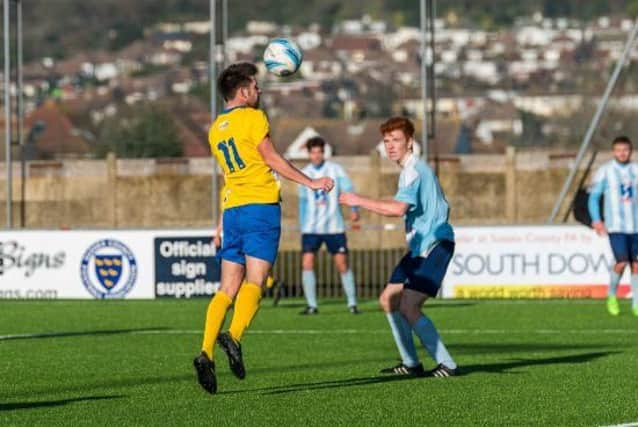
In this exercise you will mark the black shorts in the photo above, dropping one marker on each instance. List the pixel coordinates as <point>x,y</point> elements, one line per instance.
<point>336,243</point>
<point>624,246</point>
<point>421,274</point>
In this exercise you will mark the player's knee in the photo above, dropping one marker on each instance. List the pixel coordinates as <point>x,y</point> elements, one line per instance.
<point>307,263</point>
<point>620,266</point>
<point>342,266</point>
<point>409,310</point>
<point>385,301</point>
<point>389,299</point>
<point>231,291</point>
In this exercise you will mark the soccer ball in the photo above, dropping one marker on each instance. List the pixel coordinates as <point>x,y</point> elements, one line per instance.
<point>282,57</point>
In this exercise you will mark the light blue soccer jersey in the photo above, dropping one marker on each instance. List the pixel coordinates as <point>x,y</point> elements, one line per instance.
<point>619,183</point>
<point>319,212</point>
<point>426,221</point>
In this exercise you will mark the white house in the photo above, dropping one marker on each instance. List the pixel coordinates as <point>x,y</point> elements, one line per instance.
<point>297,149</point>
<point>106,71</point>
<point>197,27</point>
<point>484,71</point>
<point>401,36</point>
<point>261,27</point>
<point>308,40</point>
<point>534,36</point>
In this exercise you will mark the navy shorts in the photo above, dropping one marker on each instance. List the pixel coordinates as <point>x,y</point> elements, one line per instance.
<point>624,246</point>
<point>421,274</point>
<point>251,230</point>
<point>336,243</point>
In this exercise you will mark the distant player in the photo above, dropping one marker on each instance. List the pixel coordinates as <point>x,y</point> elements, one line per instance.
<point>240,140</point>
<point>419,274</point>
<point>321,222</point>
<point>618,181</point>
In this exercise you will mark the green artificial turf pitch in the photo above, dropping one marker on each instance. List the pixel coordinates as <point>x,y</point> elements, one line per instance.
<point>130,363</point>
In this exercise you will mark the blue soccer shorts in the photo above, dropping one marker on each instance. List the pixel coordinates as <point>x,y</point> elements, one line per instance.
<point>624,246</point>
<point>336,243</point>
<point>251,230</point>
<point>424,274</point>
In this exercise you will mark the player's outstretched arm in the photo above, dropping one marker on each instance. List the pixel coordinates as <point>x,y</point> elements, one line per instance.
<point>286,169</point>
<point>593,205</point>
<point>382,207</point>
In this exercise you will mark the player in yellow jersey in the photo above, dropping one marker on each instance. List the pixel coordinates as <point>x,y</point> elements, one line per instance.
<point>240,140</point>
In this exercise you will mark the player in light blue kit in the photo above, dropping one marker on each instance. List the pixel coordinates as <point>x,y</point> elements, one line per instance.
<point>618,181</point>
<point>430,237</point>
<point>322,222</point>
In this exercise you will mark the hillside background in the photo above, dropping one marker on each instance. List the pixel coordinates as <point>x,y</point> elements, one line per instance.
<point>62,27</point>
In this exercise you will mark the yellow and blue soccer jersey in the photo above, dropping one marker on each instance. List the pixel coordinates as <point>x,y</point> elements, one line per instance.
<point>233,138</point>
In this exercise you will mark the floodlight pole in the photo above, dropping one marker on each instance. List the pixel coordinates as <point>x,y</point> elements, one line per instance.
<point>212,63</point>
<point>424,84</point>
<point>224,31</point>
<point>593,125</point>
<point>20,129</point>
<point>7,112</point>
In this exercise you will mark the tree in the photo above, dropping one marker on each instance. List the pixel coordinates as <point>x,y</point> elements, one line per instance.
<point>139,132</point>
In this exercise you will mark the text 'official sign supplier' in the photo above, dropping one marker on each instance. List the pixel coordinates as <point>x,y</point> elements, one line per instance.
<point>185,267</point>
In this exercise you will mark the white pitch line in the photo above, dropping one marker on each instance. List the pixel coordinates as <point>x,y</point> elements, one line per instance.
<point>347,332</point>
<point>560,301</point>
<point>384,331</point>
<point>629,424</point>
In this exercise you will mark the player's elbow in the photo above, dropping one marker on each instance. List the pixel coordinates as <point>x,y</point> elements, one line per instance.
<point>272,160</point>
<point>398,209</point>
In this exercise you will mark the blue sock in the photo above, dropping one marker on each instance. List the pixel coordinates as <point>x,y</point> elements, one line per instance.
<point>614,279</point>
<point>403,338</point>
<point>309,283</point>
<point>425,330</point>
<point>634,290</point>
<point>347,281</point>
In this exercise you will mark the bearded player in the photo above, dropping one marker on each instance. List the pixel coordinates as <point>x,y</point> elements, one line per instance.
<point>240,140</point>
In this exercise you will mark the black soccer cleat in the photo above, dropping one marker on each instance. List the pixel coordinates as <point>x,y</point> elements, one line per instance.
<point>277,290</point>
<point>309,311</point>
<point>442,371</point>
<point>401,369</point>
<point>205,370</point>
<point>233,351</point>
<point>353,309</point>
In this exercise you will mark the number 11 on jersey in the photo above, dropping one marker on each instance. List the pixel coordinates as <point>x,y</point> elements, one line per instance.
<point>226,147</point>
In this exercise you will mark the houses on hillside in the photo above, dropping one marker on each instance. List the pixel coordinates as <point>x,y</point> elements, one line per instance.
<point>352,75</point>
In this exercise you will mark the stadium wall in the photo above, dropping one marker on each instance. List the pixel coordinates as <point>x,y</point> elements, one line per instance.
<point>169,193</point>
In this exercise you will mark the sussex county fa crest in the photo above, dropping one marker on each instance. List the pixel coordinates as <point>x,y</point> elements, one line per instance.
<point>108,269</point>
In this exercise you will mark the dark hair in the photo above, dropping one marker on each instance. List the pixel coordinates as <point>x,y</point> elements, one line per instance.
<point>235,76</point>
<point>622,139</point>
<point>398,123</point>
<point>315,141</point>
